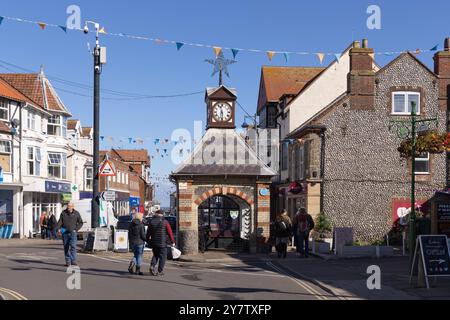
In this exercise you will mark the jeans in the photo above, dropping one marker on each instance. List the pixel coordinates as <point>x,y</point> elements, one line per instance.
<point>159,255</point>
<point>70,246</point>
<point>51,234</point>
<point>303,243</point>
<point>138,251</point>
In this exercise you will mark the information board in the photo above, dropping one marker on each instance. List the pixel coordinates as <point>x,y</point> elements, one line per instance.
<point>443,218</point>
<point>435,255</point>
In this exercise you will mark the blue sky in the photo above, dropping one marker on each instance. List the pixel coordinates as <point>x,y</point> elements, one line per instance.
<point>146,68</point>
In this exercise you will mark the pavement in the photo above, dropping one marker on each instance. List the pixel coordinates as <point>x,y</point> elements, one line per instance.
<point>33,269</point>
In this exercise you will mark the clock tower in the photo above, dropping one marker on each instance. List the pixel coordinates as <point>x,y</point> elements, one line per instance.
<point>221,107</point>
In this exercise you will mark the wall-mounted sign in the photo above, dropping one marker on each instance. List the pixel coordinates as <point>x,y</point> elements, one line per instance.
<point>57,187</point>
<point>264,192</point>
<point>135,202</point>
<point>66,197</point>
<point>401,210</point>
<point>234,215</point>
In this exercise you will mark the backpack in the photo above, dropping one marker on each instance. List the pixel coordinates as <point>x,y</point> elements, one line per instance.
<point>302,223</point>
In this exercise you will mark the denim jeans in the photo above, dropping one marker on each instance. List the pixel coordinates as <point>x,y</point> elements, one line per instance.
<point>159,255</point>
<point>138,253</point>
<point>70,246</point>
<point>303,243</point>
<point>51,234</point>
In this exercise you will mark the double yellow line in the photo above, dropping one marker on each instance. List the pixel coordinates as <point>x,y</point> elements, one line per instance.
<point>15,295</point>
<point>302,284</point>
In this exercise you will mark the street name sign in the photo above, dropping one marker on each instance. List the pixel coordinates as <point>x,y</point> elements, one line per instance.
<point>107,169</point>
<point>434,256</point>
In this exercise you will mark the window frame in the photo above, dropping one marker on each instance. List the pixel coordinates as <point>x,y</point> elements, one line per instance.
<point>31,117</point>
<point>406,95</point>
<point>61,125</point>
<point>61,164</point>
<point>5,105</point>
<point>86,179</point>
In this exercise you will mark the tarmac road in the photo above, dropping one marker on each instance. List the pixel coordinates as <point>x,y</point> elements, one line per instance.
<point>37,272</point>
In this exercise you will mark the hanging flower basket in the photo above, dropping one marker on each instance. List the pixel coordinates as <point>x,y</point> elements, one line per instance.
<point>295,188</point>
<point>430,141</point>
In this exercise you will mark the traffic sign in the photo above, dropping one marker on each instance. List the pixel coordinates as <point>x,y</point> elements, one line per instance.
<point>107,169</point>
<point>109,196</point>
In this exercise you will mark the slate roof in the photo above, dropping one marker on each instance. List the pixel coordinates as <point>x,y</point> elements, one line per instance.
<point>236,159</point>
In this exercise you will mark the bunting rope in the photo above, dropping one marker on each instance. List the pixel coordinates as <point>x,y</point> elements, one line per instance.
<point>217,49</point>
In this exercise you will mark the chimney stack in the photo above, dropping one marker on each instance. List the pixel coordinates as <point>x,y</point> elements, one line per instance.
<point>361,79</point>
<point>442,69</point>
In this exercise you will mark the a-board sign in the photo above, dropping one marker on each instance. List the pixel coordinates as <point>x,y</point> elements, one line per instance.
<point>101,241</point>
<point>433,254</point>
<point>89,241</point>
<point>121,240</point>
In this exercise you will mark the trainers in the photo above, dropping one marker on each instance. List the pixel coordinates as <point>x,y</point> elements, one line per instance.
<point>161,274</point>
<point>131,267</point>
<point>67,264</point>
<point>153,271</point>
<point>75,264</point>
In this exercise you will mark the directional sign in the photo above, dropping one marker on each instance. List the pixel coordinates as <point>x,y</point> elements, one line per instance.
<point>109,195</point>
<point>107,169</point>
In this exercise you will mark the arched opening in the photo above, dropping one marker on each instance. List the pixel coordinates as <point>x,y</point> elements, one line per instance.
<point>227,218</point>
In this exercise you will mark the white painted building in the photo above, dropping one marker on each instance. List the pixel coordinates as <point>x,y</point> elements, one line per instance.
<point>40,150</point>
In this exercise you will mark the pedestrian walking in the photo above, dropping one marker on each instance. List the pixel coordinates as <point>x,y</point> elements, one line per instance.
<point>51,226</point>
<point>303,225</point>
<point>71,222</point>
<point>43,224</point>
<point>136,233</point>
<point>283,231</point>
<point>159,233</point>
<point>204,233</point>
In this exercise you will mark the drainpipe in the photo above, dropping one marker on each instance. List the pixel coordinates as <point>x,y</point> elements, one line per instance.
<point>322,168</point>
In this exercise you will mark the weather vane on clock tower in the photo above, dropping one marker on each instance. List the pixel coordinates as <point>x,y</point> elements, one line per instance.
<point>220,66</point>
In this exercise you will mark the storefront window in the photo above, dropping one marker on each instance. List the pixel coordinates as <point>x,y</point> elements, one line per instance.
<point>47,202</point>
<point>6,206</point>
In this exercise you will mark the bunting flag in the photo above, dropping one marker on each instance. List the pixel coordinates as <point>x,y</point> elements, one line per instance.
<point>418,51</point>
<point>217,51</point>
<point>1,20</point>
<point>102,30</point>
<point>434,48</point>
<point>102,138</point>
<point>157,141</point>
<point>130,140</point>
<point>321,56</point>
<point>337,57</point>
<point>179,45</point>
<point>234,52</point>
<point>63,28</point>
<point>286,56</point>
<point>270,55</point>
<point>42,25</point>
<point>159,41</point>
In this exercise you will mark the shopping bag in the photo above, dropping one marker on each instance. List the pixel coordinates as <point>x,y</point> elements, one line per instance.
<point>176,254</point>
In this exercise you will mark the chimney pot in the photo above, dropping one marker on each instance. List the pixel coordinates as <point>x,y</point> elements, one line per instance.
<point>447,44</point>
<point>356,44</point>
<point>365,43</point>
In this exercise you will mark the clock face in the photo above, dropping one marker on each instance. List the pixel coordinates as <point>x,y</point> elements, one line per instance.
<point>222,112</point>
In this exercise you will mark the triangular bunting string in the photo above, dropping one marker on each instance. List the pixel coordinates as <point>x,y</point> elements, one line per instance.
<point>434,48</point>
<point>337,57</point>
<point>1,20</point>
<point>179,45</point>
<point>63,28</point>
<point>42,25</point>
<point>270,55</point>
<point>321,56</point>
<point>217,51</point>
<point>286,56</point>
<point>234,52</point>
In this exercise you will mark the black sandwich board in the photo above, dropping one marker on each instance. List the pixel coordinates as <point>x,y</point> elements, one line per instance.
<point>434,256</point>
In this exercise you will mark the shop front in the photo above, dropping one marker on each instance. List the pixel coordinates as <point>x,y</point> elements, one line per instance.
<point>122,204</point>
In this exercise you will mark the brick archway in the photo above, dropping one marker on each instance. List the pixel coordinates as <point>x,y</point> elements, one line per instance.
<point>224,191</point>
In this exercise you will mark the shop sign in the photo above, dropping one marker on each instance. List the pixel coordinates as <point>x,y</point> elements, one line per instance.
<point>66,197</point>
<point>57,187</point>
<point>401,210</point>
<point>135,202</point>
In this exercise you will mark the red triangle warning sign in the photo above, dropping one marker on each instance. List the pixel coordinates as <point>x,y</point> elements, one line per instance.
<point>107,169</point>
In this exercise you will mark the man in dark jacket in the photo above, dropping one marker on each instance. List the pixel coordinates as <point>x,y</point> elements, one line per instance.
<point>71,222</point>
<point>159,233</point>
<point>303,225</point>
<point>51,225</point>
<point>136,235</point>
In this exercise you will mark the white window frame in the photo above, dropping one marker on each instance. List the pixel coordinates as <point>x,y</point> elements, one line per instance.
<point>86,179</point>
<point>61,124</point>
<point>31,121</point>
<point>61,163</point>
<point>426,160</point>
<point>406,106</point>
<point>6,149</point>
<point>35,161</point>
<point>4,105</point>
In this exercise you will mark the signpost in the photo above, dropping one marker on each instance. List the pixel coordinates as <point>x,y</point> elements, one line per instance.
<point>107,169</point>
<point>109,195</point>
<point>433,252</point>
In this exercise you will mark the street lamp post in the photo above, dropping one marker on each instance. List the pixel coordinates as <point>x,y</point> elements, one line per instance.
<point>408,129</point>
<point>99,60</point>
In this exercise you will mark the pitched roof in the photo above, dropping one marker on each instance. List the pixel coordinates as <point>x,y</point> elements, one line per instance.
<point>37,88</point>
<point>278,81</point>
<point>7,91</point>
<point>72,124</point>
<point>238,160</point>
<point>133,155</point>
<point>86,131</point>
<point>411,55</point>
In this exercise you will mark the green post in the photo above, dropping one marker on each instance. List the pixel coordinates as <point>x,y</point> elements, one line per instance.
<point>412,216</point>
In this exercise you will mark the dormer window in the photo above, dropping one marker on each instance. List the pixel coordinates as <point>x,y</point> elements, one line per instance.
<point>4,110</point>
<point>402,102</point>
<point>57,126</point>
